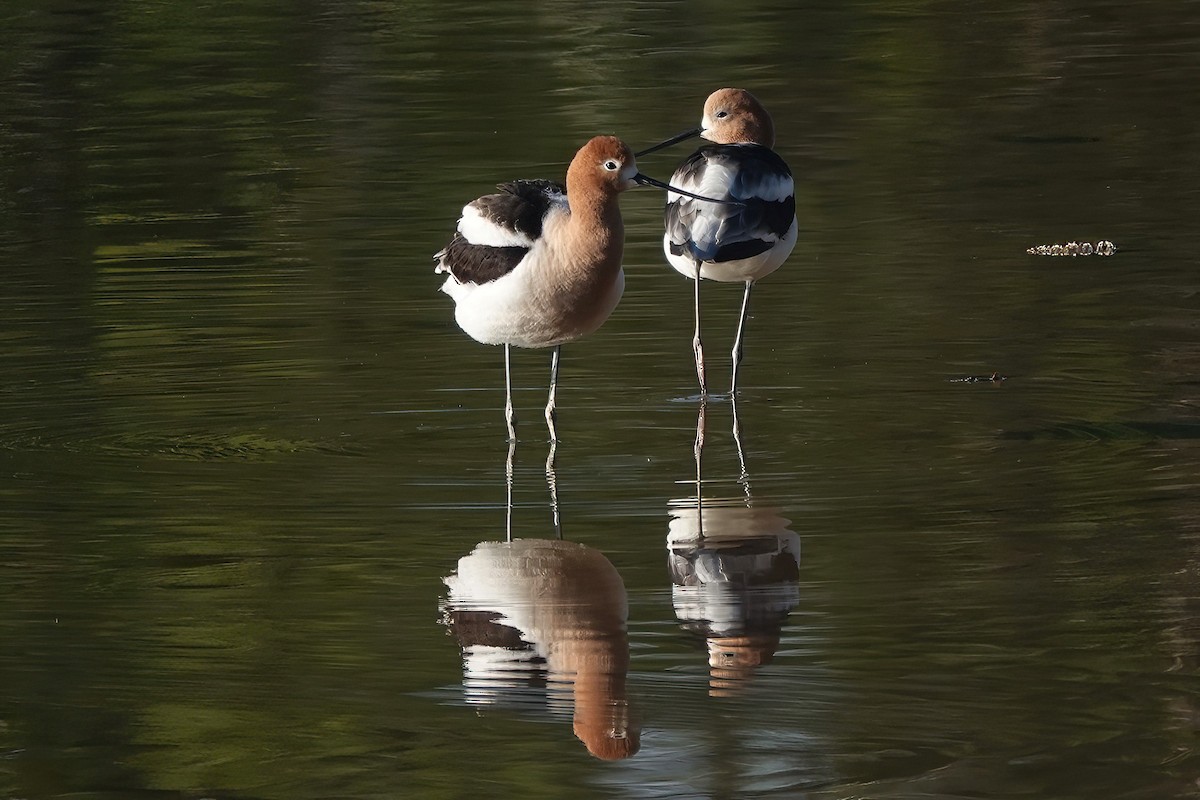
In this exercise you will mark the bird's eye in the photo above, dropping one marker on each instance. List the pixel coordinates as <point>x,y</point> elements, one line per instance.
<point>722,114</point>
<point>611,165</point>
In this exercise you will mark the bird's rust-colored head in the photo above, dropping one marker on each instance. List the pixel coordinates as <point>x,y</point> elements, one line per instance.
<point>733,116</point>
<point>604,164</point>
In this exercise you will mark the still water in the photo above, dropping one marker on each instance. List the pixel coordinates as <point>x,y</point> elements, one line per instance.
<point>253,494</point>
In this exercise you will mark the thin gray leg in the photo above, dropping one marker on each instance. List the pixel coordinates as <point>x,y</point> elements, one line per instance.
<point>737,342</point>
<point>697,345</point>
<point>509,416</point>
<point>698,451</point>
<point>508,481</point>
<point>551,413</point>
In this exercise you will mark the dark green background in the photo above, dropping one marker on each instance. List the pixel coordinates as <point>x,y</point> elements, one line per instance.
<point>242,441</point>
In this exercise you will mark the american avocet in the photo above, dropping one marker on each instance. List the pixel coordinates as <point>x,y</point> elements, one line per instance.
<point>726,242</point>
<point>539,264</point>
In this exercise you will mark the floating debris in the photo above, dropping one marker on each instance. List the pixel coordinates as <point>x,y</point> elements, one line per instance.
<point>995,377</point>
<point>1101,248</point>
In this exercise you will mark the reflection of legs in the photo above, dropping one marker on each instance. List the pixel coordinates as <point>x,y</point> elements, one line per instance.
<point>508,480</point>
<point>697,345</point>
<point>552,482</point>
<point>508,405</point>
<point>737,342</point>
<point>551,414</point>
<point>744,478</point>
<point>698,451</point>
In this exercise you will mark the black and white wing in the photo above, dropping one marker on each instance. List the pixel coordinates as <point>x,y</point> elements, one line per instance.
<point>496,231</point>
<point>754,175</point>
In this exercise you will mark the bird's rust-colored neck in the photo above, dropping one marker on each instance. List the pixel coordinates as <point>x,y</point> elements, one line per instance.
<point>752,130</point>
<point>595,225</point>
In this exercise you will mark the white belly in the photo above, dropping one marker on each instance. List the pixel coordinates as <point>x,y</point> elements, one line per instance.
<point>514,310</point>
<point>746,269</point>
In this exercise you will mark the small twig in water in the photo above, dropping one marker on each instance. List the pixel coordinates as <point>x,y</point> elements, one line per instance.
<point>1101,248</point>
<point>995,377</point>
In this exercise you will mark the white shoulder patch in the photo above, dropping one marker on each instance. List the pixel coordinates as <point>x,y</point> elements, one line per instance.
<point>477,229</point>
<point>773,187</point>
<point>711,180</point>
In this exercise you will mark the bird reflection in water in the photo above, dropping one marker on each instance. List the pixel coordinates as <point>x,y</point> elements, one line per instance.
<point>735,568</point>
<point>544,621</point>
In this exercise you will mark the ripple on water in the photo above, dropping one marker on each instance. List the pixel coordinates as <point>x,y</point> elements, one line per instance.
<point>202,446</point>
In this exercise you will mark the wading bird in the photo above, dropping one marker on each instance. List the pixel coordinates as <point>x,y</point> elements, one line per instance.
<point>742,242</point>
<point>539,264</point>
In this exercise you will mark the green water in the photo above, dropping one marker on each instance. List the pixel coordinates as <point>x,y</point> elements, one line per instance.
<point>242,443</point>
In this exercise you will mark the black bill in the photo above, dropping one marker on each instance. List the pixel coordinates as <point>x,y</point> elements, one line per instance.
<point>688,134</point>
<point>646,180</point>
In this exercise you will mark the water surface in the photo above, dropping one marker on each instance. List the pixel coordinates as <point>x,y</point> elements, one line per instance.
<point>243,445</point>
